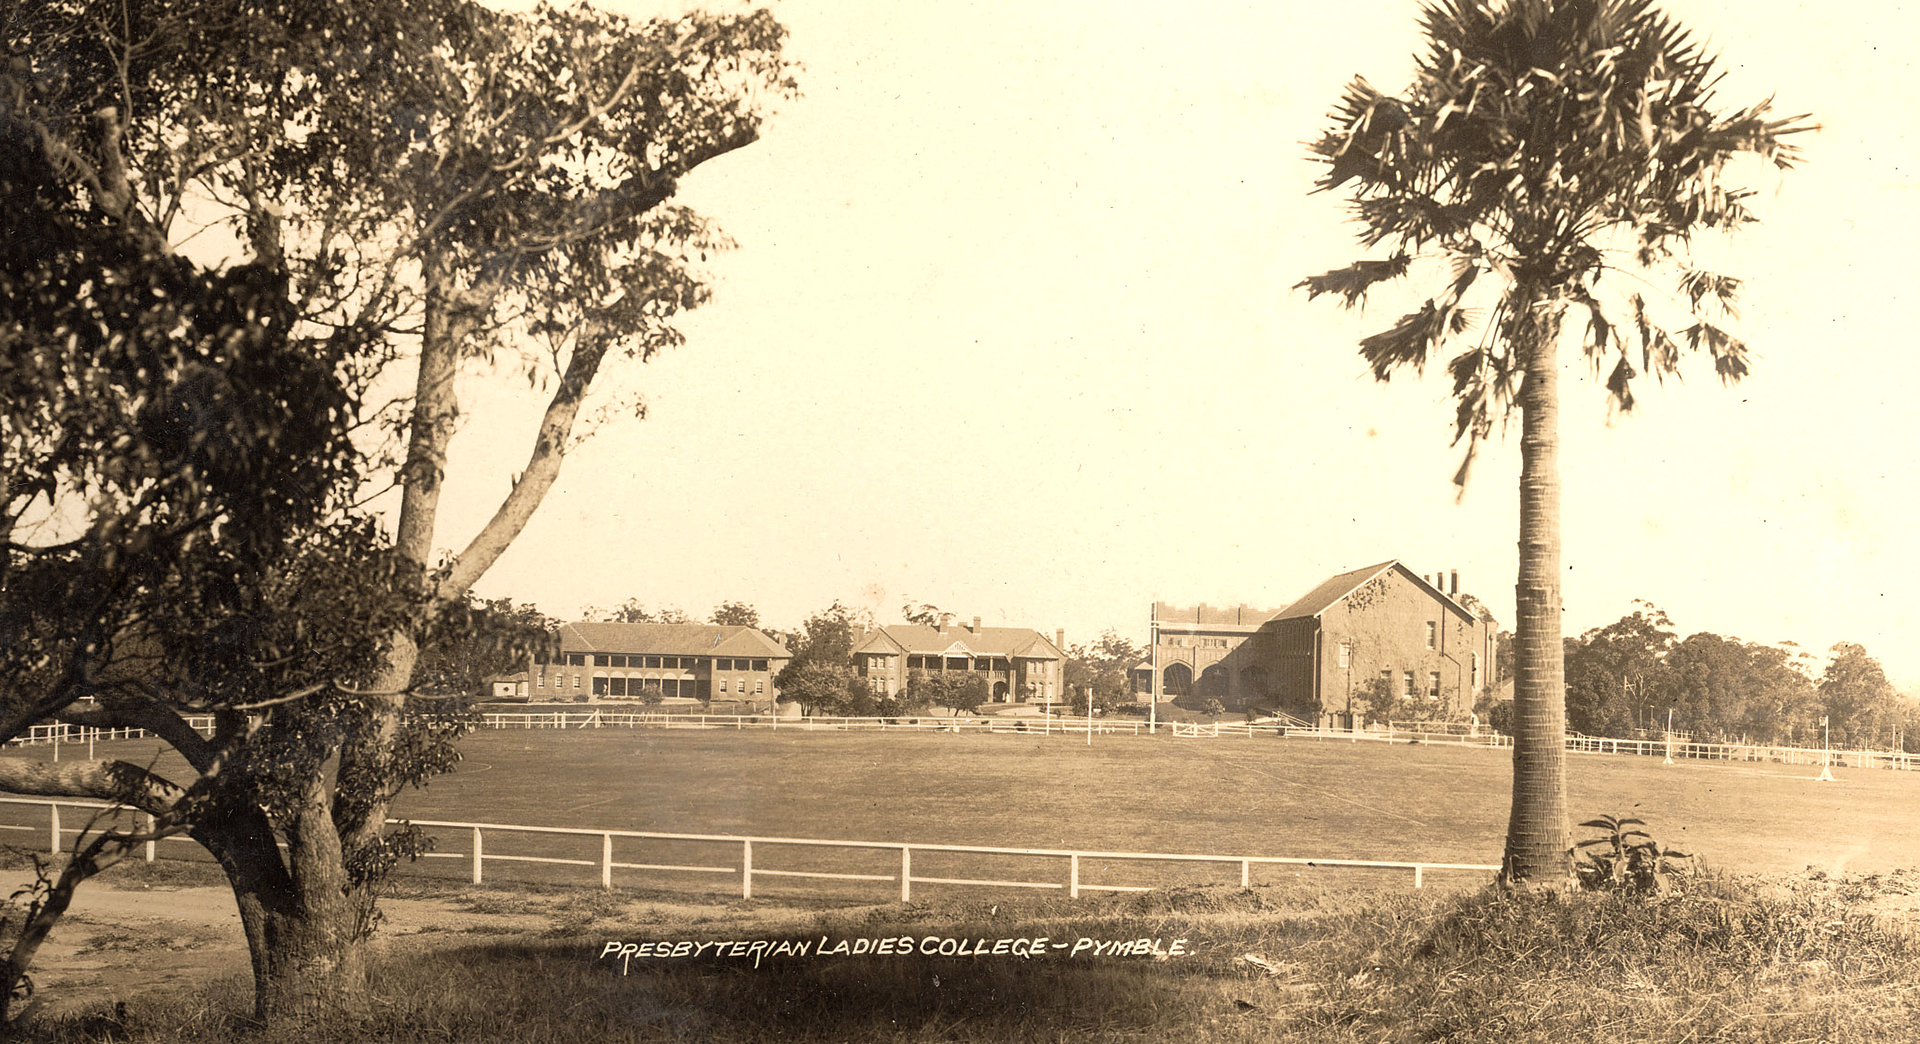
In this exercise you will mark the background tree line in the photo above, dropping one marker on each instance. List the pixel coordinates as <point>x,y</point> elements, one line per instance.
<point>1624,678</point>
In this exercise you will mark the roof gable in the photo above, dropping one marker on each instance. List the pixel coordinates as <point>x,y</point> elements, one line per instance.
<point>1335,589</point>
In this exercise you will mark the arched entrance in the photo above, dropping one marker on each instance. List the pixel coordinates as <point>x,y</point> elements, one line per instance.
<point>1213,683</point>
<point>1176,680</point>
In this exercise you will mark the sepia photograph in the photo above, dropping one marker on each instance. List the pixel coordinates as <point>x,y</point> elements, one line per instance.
<point>842,520</point>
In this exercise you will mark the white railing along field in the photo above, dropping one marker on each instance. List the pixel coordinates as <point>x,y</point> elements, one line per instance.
<point>743,848</point>
<point>59,733</point>
<point>1402,732</point>
<point>908,723</point>
<point>1693,750</point>
<point>900,723</point>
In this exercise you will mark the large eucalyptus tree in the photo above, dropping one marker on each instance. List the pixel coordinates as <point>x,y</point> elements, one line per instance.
<point>419,187</point>
<point>1544,146</point>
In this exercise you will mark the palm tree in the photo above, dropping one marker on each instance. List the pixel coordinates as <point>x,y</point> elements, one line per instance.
<point>1543,145</point>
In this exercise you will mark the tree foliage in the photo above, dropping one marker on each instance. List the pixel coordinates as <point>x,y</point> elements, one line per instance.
<point>736,614</point>
<point>633,610</point>
<point>1106,667</point>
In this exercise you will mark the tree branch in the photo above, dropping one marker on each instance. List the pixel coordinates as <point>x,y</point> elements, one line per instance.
<point>121,782</point>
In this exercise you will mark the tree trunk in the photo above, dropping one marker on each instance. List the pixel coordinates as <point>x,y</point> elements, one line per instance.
<point>1539,842</point>
<point>305,925</point>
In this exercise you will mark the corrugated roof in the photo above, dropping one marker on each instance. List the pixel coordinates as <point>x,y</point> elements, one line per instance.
<point>986,641</point>
<point>1333,589</point>
<point>670,639</point>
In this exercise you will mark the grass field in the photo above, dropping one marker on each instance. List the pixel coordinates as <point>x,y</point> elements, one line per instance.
<point>1227,796</point>
<point>1776,959</point>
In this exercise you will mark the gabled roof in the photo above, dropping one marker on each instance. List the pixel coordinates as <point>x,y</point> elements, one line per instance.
<point>1333,590</point>
<point>877,641</point>
<point>931,641</point>
<point>670,639</point>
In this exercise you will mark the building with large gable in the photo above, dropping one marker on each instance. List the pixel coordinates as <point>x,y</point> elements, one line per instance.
<point>1019,665</point>
<point>1316,657</point>
<point>627,661</point>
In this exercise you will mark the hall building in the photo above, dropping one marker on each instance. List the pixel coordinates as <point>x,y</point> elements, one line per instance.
<point>1313,659</point>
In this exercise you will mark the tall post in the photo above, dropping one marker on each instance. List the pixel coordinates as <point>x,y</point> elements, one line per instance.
<point>906,874</point>
<point>1153,667</point>
<point>1089,715</point>
<point>477,857</point>
<point>746,869</point>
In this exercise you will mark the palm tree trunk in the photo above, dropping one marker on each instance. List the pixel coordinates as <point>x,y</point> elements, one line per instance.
<point>1539,842</point>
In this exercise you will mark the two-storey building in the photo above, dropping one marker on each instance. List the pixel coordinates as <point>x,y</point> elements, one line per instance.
<point>1019,665</point>
<point>637,661</point>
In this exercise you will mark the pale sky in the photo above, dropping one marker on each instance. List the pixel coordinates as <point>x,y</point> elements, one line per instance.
<point>1010,330</point>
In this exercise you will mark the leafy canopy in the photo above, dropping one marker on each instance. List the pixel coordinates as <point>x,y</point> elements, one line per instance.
<point>1546,143</point>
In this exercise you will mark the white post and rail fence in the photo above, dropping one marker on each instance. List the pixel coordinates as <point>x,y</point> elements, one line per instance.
<point>1428,733</point>
<point>748,862</point>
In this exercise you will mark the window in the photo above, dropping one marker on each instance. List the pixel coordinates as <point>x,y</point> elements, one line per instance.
<point>956,663</point>
<point>761,665</point>
<point>723,686</point>
<point>1346,654</point>
<point>1411,691</point>
<point>758,687</point>
<point>1433,685</point>
<point>540,680</point>
<point>1433,634</point>
<point>982,663</point>
<point>576,681</point>
<point>652,661</point>
<point>576,659</point>
<point>618,686</point>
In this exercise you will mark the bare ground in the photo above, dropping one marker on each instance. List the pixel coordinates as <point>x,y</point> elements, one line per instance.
<point>122,940</point>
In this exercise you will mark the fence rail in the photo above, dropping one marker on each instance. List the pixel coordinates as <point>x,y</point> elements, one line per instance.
<point>1693,750</point>
<point>1401,732</point>
<point>745,849</point>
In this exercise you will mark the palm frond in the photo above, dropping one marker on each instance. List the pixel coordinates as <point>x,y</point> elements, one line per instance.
<point>1729,352</point>
<point>1353,281</point>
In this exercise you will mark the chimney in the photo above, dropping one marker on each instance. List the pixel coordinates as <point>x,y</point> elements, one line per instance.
<point>1060,639</point>
<point>976,625</point>
<point>1454,577</point>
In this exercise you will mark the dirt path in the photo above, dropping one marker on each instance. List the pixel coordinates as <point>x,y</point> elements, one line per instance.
<point>119,943</point>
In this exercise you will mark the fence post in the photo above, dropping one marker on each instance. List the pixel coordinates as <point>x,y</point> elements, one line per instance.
<point>746,869</point>
<point>150,842</point>
<point>606,860</point>
<point>53,832</point>
<point>1246,873</point>
<point>1416,875</point>
<point>477,857</point>
<point>1073,877</point>
<point>906,874</point>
